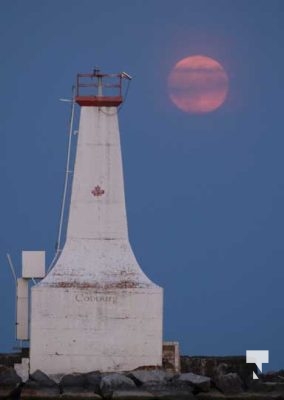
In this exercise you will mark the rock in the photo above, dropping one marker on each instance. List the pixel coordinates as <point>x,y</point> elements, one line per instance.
<point>206,365</point>
<point>39,386</point>
<point>131,395</point>
<point>9,392</point>
<point>114,381</point>
<point>93,381</point>
<point>81,385</point>
<point>221,369</point>
<point>42,379</point>
<point>141,377</point>
<point>229,383</point>
<point>199,382</point>
<point>10,382</point>
<point>34,390</point>
<point>72,384</point>
<point>8,376</point>
<point>73,380</point>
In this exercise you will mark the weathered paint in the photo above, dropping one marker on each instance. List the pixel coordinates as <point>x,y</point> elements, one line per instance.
<point>96,309</point>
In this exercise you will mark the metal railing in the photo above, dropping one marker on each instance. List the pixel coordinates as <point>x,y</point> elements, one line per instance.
<point>99,84</point>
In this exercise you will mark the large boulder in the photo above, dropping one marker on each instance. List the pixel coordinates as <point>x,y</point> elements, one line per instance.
<point>42,379</point>
<point>81,386</point>
<point>34,390</point>
<point>10,382</point>
<point>113,382</point>
<point>93,381</point>
<point>39,386</point>
<point>73,381</point>
<point>146,377</point>
<point>198,382</point>
<point>229,383</point>
<point>8,376</point>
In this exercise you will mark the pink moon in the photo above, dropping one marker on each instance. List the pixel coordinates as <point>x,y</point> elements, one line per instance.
<point>198,84</point>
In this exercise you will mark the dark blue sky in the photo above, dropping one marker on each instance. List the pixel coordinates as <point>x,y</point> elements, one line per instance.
<point>204,193</point>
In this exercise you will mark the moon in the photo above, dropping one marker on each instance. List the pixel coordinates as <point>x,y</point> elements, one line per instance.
<point>198,84</point>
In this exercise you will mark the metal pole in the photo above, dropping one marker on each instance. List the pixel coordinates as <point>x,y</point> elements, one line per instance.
<point>58,243</point>
<point>16,285</point>
<point>11,267</point>
<point>100,86</point>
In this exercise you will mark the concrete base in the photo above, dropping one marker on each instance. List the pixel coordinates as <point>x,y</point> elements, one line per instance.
<point>81,330</point>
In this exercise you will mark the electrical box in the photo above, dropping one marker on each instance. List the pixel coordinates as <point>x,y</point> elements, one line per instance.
<point>22,324</point>
<point>33,264</point>
<point>171,356</point>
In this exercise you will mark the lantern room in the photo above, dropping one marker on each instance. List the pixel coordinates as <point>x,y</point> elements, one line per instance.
<point>98,89</point>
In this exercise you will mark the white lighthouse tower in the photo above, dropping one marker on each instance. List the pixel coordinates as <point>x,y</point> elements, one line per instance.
<point>96,309</point>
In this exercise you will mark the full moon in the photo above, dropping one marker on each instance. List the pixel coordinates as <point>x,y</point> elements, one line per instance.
<point>198,84</point>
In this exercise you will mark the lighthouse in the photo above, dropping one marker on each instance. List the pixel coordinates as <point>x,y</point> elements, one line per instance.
<point>96,309</point>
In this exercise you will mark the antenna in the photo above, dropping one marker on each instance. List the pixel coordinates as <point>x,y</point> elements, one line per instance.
<point>67,173</point>
<point>16,285</point>
<point>11,267</point>
<point>66,100</point>
<point>126,75</point>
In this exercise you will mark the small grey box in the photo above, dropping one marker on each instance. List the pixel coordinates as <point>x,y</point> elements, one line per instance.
<point>33,264</point>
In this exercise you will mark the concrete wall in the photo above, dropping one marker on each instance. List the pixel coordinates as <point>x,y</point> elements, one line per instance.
<point>81,330</point>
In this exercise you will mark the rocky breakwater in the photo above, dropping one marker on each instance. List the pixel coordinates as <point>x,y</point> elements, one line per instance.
<point>141,384</point>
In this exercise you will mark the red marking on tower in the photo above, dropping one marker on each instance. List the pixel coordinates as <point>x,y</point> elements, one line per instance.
<point>97,191</point>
